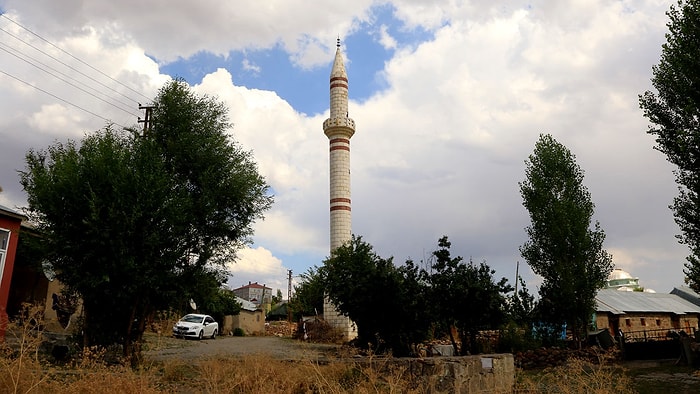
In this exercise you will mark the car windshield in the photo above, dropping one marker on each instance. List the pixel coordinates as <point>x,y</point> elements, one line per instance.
<point>192,319</point>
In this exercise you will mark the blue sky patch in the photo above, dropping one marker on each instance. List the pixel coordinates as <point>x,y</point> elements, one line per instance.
<point>307,89</point>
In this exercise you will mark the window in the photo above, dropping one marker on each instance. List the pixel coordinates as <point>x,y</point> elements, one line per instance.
<point>643,321</point>
<point>658,322</point>
<point>628,322</point>
<point>4,244</point>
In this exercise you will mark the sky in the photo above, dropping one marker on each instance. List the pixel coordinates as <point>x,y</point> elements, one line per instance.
<point>448,96</point>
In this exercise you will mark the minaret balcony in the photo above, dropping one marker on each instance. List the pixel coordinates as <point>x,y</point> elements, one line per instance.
<point>339,122</point>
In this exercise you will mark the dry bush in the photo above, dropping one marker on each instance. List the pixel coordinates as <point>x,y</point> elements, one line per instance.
<point>577,376</point>
<point>20,366</point>
<point>318,330</point>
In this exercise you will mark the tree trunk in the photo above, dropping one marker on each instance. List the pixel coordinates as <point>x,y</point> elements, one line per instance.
<point>452,339</point>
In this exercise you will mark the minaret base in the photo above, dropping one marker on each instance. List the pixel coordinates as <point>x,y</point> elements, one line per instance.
<point>339,321</point>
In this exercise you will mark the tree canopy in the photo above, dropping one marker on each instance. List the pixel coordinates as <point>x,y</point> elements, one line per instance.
<point>464,295</point>
<point>396,307</point>
<point>369,289</point>
<point>562,247</point>
<point>674,113</point>
<point>135,223</point>
<point>308,294</point>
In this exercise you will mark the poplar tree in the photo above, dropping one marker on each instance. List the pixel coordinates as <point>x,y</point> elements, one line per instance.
<point>562,248</point>
<point>674,113</point>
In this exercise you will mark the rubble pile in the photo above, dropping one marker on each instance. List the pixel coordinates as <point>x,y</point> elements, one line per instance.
<point>280,328</point>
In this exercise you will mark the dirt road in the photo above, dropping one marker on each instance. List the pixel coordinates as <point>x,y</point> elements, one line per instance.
<point>164,348</point>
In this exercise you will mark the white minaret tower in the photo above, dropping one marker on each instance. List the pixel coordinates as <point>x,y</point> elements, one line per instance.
<point>339,128</point>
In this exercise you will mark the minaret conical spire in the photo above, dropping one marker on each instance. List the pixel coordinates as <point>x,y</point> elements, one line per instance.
<point>339,79</point>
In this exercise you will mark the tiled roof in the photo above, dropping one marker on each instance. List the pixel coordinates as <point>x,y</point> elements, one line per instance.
<point>252,286</point>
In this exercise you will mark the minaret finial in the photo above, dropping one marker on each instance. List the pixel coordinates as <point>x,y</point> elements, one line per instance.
<point>338,42</point>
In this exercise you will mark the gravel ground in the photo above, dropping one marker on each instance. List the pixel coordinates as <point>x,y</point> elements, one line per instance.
<point>160,348</point>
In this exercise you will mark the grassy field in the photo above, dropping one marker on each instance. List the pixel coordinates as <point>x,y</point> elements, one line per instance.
<point>25,369</point>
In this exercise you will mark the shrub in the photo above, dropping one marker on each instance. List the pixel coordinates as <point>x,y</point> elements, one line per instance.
<point>238,332</point>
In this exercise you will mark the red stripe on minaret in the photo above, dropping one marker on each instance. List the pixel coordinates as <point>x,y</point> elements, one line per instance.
<point>333,200</point>
<point>340,140</point>
<point>340,147</point>
<point>340,208</point>
<point>339,79</point>
<point>339,85</point>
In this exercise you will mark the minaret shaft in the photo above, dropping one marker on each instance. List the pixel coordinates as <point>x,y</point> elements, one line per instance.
<point>339,128</point>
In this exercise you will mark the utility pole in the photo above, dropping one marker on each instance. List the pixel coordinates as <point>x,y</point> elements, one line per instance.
<point>147,120</point>
<point>289,295</point>
<point>517,277</point>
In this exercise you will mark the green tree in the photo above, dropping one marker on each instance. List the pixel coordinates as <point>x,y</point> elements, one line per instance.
<point>562,248</point>
<point>276,299</point>
<point>465,296</point>
<point>520,305</point>
<point>308,294</point>
<point>220,303</point>
<point>376,295</point>
<point>674,113</point>
<point>135,224</point>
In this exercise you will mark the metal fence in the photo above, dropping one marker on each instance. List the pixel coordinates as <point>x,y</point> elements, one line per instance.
<point>656,335</point>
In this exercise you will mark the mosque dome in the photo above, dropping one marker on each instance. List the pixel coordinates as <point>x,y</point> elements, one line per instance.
<point>619,273</point>
<point>623,281</point>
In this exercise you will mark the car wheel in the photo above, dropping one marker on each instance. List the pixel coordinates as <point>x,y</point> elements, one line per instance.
<point>201,334</point>
<point>213,334</point>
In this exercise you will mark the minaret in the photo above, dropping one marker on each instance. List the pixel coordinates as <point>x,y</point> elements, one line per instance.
<point>339,128</point>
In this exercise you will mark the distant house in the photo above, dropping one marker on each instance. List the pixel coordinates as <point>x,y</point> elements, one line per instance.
<point>255,293</point>
<point>251,319</point>
<point>10,223</point>
<point>640,312</point>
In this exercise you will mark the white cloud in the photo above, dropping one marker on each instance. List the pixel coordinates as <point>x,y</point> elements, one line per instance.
<point>387,41</point>
<point>250,66</point>
<point>439,151</point>
<point>257,265</point>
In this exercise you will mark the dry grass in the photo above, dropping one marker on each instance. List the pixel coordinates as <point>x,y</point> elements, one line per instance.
<point>23,370</point>
<point>576,376</point>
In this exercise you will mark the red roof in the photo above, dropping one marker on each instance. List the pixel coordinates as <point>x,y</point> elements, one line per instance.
<point>253,286</point>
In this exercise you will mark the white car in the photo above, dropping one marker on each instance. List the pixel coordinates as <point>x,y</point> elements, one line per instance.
<point>195,325</point>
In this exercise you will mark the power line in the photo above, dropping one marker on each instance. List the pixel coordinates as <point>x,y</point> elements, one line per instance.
<point>68,65</point>
<point>74,57</point>
<point>19,53</point>
<point>68,82</point>
<point>61,99</point>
